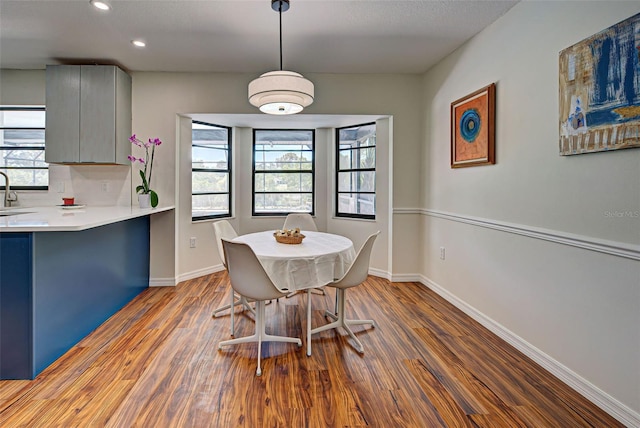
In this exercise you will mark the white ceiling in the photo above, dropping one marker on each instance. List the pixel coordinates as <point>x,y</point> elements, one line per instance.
<point>328,36</point>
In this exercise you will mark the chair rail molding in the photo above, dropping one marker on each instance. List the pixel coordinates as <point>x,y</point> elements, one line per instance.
<point>614,248</point>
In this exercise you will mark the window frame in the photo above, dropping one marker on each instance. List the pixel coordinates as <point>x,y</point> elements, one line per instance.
<point>338,170</point>
<point>4,148</point>
<point>228,171</point>
<point>253,174</point>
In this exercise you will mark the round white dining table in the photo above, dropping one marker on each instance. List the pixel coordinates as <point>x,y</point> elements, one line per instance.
<point>318,260</point>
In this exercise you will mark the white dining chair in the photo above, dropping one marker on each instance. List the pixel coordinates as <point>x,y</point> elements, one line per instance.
<point>224,230</point>
<point>355,275</point>
<point>304,221</point>
<point>249,279</point>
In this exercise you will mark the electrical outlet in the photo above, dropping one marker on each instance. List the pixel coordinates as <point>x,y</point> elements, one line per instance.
<point>192,242</point>
<point>106,187</point>
<point>441,253</point>
<point>60,187</point>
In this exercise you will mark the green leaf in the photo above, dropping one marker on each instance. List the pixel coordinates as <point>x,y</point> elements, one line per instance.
<point>145,185</point>
<point>154,198</point>
<point>139,189</point>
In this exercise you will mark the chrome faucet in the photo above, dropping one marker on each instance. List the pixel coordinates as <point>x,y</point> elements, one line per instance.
<point>7,189</point>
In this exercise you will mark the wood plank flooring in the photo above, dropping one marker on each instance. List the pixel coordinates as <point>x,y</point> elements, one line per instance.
<point>156,363</point>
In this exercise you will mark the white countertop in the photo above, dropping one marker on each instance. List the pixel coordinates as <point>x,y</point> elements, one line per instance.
<point>58,219</point>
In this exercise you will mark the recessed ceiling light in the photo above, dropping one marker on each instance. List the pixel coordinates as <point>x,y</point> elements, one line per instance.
<point>100,4</point>
<point>138,43</point>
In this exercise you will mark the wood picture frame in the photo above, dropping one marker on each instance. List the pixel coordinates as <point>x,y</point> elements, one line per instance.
<point>473,128</point>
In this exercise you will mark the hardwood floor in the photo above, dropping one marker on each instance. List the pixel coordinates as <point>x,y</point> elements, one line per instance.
<point>156,364</point>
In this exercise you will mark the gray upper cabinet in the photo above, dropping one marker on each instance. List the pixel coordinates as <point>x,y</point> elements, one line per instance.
<point>88,114</point>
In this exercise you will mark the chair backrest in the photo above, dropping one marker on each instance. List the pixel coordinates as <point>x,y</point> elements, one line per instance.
<point>247,275</point>
<point>359,269</point>
<point>302,220</point>
<point>223,230</point>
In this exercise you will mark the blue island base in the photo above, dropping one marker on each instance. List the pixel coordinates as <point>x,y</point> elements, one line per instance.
<point>57,287</point>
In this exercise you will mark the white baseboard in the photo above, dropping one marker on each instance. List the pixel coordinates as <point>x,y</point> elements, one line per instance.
<point>600,398</point>
<point>406,277</point>
<point>380,273</point>
<point>200,272</point>
<point>168,282</point>
<point>162,282</point>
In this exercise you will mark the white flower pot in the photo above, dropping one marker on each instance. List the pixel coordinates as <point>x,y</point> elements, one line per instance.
<point>144,200</point>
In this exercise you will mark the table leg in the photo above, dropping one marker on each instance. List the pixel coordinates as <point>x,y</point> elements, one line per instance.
<point>308,322</point>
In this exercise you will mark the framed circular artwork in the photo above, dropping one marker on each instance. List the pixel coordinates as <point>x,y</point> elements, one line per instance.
<point>473,129</point>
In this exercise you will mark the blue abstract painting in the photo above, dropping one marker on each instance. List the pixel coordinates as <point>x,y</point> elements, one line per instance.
<point>600,91</point>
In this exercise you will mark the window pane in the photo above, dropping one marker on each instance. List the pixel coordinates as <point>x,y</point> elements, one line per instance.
<point>22,137</point>
<point>270,202</point>
<point>364,181</point>
<point>356,152</point>
<point>358,158</point>
<point>283,160</point>
<point>283,182</point>
<point>346,159</point>
<point>367,158</point>
<point>209,205</point>
<point>17,147</point>
<point>211,160</point>
<point>209,157</point>
<point>277,150</point>
<point>22,118</point>
<point>22,158</point>
<point>272,136</point>
<point>356,203</point>
<point>357,136</point>
<point>27,177</point>
<point>204,181</point>
<point>209,134</point>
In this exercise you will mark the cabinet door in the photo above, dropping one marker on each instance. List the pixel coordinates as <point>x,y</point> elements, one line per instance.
<point>63,114</point>
<point>123,117</point>
<point>97,113</point>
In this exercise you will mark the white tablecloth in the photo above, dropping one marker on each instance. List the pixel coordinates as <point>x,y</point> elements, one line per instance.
<point>318,260</point>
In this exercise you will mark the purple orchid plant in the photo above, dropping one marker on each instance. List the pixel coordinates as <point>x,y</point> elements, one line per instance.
<point>146,171</point>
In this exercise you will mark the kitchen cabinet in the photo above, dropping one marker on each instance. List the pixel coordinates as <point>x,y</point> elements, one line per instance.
<point>88,114</point>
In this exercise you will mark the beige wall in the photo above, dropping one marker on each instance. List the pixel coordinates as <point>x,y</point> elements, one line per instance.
<point>518,234</point>
<point>159,98</point>
<point>22,87</point>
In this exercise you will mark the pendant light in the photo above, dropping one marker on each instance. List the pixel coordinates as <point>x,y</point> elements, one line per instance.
<point>281,92</point>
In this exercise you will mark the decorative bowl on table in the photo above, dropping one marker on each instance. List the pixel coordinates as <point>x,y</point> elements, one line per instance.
<point>286,236</point>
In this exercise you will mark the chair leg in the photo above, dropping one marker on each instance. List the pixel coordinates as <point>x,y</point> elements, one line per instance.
<point>339,321</point>
<point>260,322</point>
<point>309,290</point>
<point>234,302</point>
<point>315,290</point>
<point>246,305</point>
<point>260,336</point>
<point>233,316</point>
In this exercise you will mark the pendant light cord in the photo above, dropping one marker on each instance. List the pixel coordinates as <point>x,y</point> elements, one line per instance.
<point>280,14</point>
